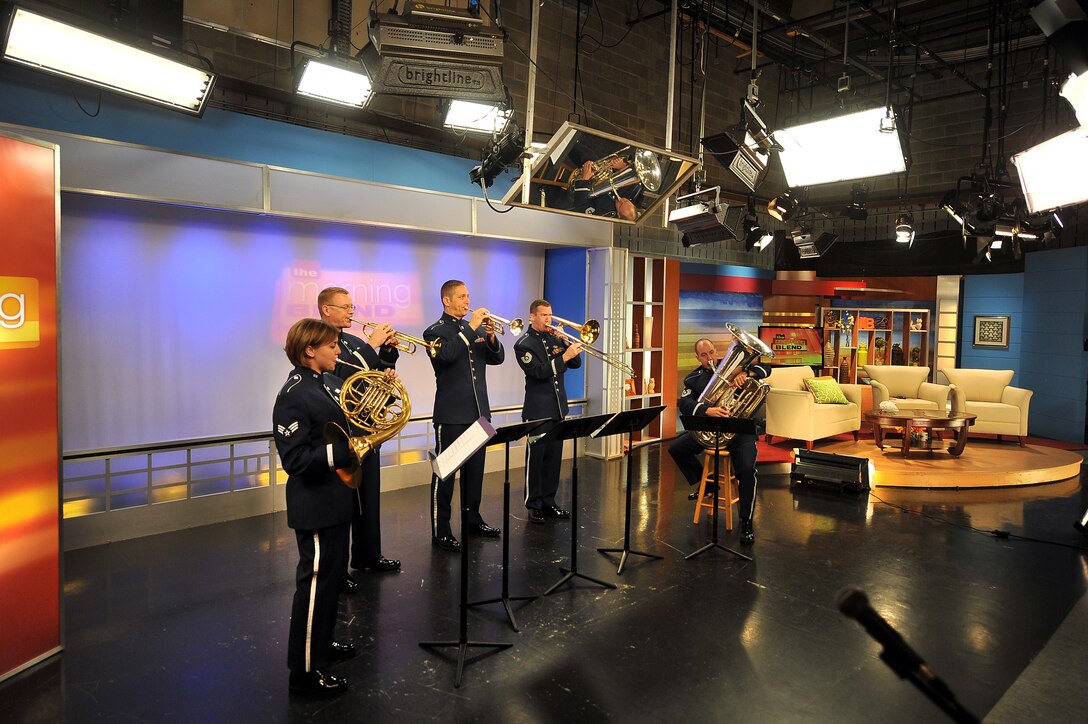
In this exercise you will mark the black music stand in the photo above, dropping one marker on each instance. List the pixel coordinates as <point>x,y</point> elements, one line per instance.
<point>572,430</point>
<point>506,435</point>
<point>628,421</point>
<point>462,643</point>
<point>719,426</point>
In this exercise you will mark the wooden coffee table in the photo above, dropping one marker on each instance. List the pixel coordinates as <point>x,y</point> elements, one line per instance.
<point>930,420</point>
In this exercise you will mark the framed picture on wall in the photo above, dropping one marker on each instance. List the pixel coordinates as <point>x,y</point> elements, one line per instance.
<point>991,331</point>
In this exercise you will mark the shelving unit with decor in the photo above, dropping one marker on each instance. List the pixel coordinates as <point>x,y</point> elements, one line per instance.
<point>645,315</point>
<point>855,336</point>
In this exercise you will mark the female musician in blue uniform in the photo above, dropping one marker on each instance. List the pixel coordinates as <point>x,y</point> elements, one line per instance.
<point>318,503</point>
<point>544,358</point>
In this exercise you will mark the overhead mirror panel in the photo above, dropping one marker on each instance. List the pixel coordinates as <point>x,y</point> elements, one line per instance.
<point>591,173</point>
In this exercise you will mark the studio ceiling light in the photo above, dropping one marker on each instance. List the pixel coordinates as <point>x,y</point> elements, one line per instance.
<point>336,80</point>
<point>701,222</point>
<point>784,206</point>
<point>66,50</point>
<point>812,243</point>
<point>904,228</point>
<point>856,210</point>
<point>479,117</point>
<point>1052,173</point>
<point>839,149</point>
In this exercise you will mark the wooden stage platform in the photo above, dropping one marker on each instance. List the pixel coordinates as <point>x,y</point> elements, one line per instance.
<point>983,464</point>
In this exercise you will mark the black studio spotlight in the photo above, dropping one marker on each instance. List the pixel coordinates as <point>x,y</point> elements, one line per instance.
<point>498,156</point>
<point>812,243</point>
<point>784,206</point>
<point>856,210</point>
<point>904,228</point>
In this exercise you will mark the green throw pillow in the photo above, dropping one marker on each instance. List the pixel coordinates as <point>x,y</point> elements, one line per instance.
<point>826,391</point>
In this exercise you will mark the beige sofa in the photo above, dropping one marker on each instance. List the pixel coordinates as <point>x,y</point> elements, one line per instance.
<point>906,387</point>
<point>1001,408</point>
<point>792,411</point>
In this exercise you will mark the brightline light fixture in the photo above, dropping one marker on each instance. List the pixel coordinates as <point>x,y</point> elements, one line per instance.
<point>56,47</point>
<point>701,222</point>
<point>477,117</point>
<point>337,80</point>
<point>1052,173</point>
<point>839,149</point>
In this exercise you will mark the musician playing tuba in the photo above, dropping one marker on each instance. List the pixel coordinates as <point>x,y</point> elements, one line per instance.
<point>686,448</point>
<point>318,503</point>
<point>379,352</point>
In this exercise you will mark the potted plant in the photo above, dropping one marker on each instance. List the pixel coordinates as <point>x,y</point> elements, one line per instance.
<point>879,344</point>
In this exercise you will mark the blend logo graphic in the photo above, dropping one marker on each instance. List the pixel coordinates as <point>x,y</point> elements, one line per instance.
<point>19,316</point>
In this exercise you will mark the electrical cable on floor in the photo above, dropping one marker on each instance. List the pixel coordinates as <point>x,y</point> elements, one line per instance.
<point>1000,534</point>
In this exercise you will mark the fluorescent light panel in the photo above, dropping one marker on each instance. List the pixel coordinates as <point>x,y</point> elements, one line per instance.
<point>1052,173</point>
<point>482,117</point>
<point>55,47</point>
<point>839,149</point>
<point>335,82</point>
<point>1075,90</point>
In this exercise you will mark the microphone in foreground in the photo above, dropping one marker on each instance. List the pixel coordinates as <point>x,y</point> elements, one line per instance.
<point>899,656</point>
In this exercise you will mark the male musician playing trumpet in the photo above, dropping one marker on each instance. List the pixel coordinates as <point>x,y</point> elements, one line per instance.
<point>685,449</point>
<point>377,353</point>
<point>544,358</point>
<point>460,367</point>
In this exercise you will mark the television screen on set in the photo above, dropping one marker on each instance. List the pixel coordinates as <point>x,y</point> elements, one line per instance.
<point>793,345</point>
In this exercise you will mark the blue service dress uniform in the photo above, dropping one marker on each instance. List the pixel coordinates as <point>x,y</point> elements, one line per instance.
<point>318,509</point>
<point>460,399</point>
<point>540,355</point>
<point>366,525</point>
<point>685,449</point>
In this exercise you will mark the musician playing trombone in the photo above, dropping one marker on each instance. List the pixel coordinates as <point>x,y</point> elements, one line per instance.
<point>460,369</point>
<point>685,449</point>
<point>377,353</point>
<point>544,357</point>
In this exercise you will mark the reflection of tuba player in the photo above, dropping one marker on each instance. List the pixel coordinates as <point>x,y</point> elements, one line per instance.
<point>685,449</point>
<point>609,205</point>
<point>378,353</point>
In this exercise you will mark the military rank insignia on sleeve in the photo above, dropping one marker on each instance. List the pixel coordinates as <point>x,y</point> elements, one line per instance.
<point>527,357</point>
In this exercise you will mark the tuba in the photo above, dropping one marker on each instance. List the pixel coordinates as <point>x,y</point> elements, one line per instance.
<point>377,405</point>
<point>739,402</point>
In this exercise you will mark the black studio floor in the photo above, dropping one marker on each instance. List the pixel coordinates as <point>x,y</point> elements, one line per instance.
<point>191,626</point>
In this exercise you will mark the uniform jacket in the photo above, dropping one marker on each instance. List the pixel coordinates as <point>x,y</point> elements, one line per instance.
<point>355,350</point>
<point>316,498</point>
<point>460,370</point>
<point>696,382</point>
<point>540,355</point>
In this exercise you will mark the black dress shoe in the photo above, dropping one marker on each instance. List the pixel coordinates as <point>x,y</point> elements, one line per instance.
<point>747,532</point>
<point>446,543</point>
<point>694,495</point>
<point>342,651</point>
<point>383,564</point>
<point>535,516</point>
<point>554,511</point>
<point>484,530</point>
<point>348,585</point>
<point>318,682</point>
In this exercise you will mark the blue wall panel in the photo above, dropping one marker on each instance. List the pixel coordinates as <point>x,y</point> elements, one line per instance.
<point>992,295</point>
<point>565,288</point>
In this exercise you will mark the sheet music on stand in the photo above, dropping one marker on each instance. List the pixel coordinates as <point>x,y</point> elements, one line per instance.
<point>465,446</point>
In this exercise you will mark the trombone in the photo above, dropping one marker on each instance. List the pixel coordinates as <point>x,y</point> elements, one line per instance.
<point>587,333</point>
<point>516,325</point>
<point>404,342</point>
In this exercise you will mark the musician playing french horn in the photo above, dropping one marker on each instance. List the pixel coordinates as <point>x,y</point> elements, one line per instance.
<point>544,357</point>
<point>377,353</point>
<point>609,205</point>
<point>318,503</point>
<point>685,449</point>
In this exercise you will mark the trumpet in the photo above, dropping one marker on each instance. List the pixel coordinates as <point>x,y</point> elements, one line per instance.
<point>516,325</point>
<point>404,342</point>
<point>587,333</point>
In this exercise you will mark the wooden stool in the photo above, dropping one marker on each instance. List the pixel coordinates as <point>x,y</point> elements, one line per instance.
<point>727,494</point>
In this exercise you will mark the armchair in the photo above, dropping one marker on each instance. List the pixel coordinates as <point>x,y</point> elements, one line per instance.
<point>907,387</point>
<point>1000,408</point>
<point>793,413</point>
